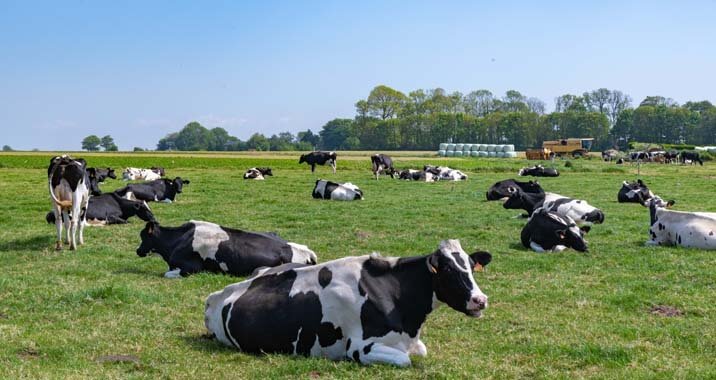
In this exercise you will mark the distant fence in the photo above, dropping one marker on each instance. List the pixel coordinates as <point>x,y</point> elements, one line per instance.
<point>477,150</point>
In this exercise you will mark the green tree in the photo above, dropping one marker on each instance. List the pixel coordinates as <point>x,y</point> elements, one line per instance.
<point>258,141</point>
<point>168,142</point>
<point>91,143</point>
<point>193,137</point>
<point>138,149</point>
<point>384,102</point>
<point>6,148</point>
<point>335,132</point>
<point>107,142</point>
<point>308,137</point>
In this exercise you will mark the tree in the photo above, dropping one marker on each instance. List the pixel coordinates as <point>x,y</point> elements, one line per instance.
<point>6,148</point>
<point>335,133</point>
<point>193,137</point>
<point>168,142</point>
<point>536,105</point>
<point>91,143</point>
<point>308,137</point>
<point>658,101</point>
<point>138,149</point>
<point>597,100</point>
<point>618,102</point>
<point>384,102</point>
<point>107,142</point>
<point>258,141</point>
<point>480,103</point>
<point>569,102</point>
<point>514,101</point>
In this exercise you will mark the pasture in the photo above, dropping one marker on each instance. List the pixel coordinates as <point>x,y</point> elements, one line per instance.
<point>560,315</point>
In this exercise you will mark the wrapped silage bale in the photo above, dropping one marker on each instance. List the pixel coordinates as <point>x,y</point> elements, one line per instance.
<point>490,147</point>
<point>475,147</point>
<point>711,150</point>
<point>466,147</point>
<point>474,153</point>
<point>482,153</point>
<point>441,153</point>
<point>492,154</point>
<point>500,154</point>
<point>510,154</point>
<point>508,148</point>
<point>449,153</point>
<point>443,146</point>
<point>458,147</point>
<point>498,148</point>
<point>458,153</point>
<point>450,147</point>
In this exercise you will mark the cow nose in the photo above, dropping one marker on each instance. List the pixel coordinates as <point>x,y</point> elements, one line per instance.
<point>479,301</point>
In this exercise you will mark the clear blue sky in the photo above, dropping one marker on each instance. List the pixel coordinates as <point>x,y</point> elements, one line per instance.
<point>139,70</point>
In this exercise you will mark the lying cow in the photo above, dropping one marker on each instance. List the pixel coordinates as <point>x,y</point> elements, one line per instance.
<point>92,181</point>
<point>159,170</point>
<point>103,173</point>
<point>538,171</point>
<point>610,154</point>
<point>685,229</point>
<point>444,173</point>
<point>257,173</point>
<point>202,246</point>
<point>549,231</point>
<point>505,188</point>
<point>417,175</point>
<point>528,201</point>
<point>691,157</point>
<point>638,192</point>
<point>576,209</point>
<point>319,158</point>
<point>380,163</point>
<point>336,191</point>
<point>68,184</point>
<point>160,190</point>
<point>133,174</point>
<point>110,208</point>
<point>368,309</point>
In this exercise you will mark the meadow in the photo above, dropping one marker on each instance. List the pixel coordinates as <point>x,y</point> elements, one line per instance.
<point>103,312</point>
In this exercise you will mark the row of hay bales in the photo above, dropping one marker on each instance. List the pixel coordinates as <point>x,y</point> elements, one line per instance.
<point>477,150</point>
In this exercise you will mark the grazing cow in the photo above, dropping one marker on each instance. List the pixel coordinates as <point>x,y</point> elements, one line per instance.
<point>549,231</point>
<point>160,190</point>
<point>67,181</point>
<point>610,154</point>
<point>103,174</point>
<point>110,208</point>
<point>159,170</point>
<point>538,171</point>
<point>319,158</point>
<point>257,173</point>
<point>691,157</point>
<point>638,192</point>
<point>368,309</point>
<point>380,163</point>
<point>685,229</point>
<point>133,174</point>
<point>202,246</point>
<point>505,188</point>
<point>639,156</point>
<point>337,191</point>
<point>417,175</point>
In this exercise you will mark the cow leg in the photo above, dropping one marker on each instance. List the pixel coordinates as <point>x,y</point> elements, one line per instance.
<point>333,165</point>
<point>83,219</point>
<point>559,248</point>
<point>380,353</point>
<point>173,273</point>
<point>418,348</point>
<point>58,226</point>
<point>651,243</point>
<point>313,168</point>
<point>66,222</point>
<point>536,247</point>
<point>111,219</point>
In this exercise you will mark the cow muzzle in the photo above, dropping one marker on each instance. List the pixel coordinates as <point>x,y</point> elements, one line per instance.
<point>476,305</point>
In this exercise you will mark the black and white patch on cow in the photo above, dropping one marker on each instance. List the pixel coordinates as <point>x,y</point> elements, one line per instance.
<point>538,171</point>
<point>160,190</point>
<point>579,210</point>
<point>691,158</point>
<point>257,173</point>
<point>382,163</point>
<point>505,188</point>
<point>200,246</point>
<point>319,158</point>
<point>548,231</point>
<point>324,189</point>
<point>354,308</point>
<point>417,175</point>
<point>680,228</point>
<point>638,192</point>
<point>67,181</point>
<point>104,173</point>
<point>445,173</point>
<point>110,208</point>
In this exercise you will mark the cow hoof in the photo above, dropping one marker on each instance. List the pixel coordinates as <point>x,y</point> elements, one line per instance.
<point>58,246</point>
<point>72,248</point>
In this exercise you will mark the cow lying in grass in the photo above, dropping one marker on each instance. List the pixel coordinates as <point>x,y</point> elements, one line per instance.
<point>538,171</point>
<point>548,231</point>
<point>579,210</point>
<point>685,229</point>
<point>110,208</point>
<point>445,173</point>
<point>505,188</point>
<point>369,309</point>
<point>336,191</point>
<point>200,246</point>
<point>257,173</point>
<point>417,175</point>
<point>161,190</point>
<point>133,174</point>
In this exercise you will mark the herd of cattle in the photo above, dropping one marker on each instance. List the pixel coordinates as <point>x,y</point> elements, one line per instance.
<point>659,156</point>
<point>351,308</point>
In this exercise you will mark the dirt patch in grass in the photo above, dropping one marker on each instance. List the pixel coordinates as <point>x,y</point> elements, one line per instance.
<point>666,311</point>
<point>363,234</point>
<point>118,359</point>
<point>29,353</point>
<point>314,374</point>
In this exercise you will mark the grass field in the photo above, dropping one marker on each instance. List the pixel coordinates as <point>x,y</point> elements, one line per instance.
<point>561,315</point>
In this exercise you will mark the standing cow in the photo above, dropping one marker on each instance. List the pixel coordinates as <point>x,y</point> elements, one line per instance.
<point>380,163</point>
<point>368,309</point>
<point>319,158</point>
<point>68,185</point>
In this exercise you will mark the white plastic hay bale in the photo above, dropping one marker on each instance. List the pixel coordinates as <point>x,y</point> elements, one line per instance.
<point>510,154</point>
<point>466,147</point>
<point>492,154</point>
<point>482,148</point>
<point>443,146</point>
<point>474,153</point>
<point>458,153</point>
<point>508,148</point>
<point>449,153</point>
<point>458,147</point>
<point>475,147</point>
<point>441,153</point>
<point>482,153</point>
<point>711,150</point>
<point>498,148</point>
<point>500,154</point>
<point>450,147</point>
<point>490,147</point>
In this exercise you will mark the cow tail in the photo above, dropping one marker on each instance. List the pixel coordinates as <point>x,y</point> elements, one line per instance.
<point>52,193</point>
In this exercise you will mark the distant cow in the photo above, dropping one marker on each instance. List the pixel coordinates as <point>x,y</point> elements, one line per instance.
<point>610,154</point>
<point>671,157</point>
<point>505,188</point>
<point>319,158</point>
<point>445,173</point>
<point>200,246</point>
<point>417,175</point>
<point>380,163</point>
<point>639,156</point>
<point>160,190</point>
<point>133,174</point>
<point>368,309</point>
<point>336,191</point>
<point>67,180</point>
<point>691,157</point>
<point>110,208</point>
<point>638,192</point>
<point>549,231</point>
<point>538,171</point>
<point>257,173</point>
<point>685,229</point>
<point>104,173</point>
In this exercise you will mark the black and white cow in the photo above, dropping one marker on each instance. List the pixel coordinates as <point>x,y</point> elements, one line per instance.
<point>610,154</point>
<point>160,190</point>
<point>529,202</point>
<point>638,192</point>
<point>685,229</point>
<point>671,157</point>
<point>104,173</point>
<point>92,181</point>
<point>110,208</point>
<point>319,158</point>
<point>133,174</point>
<point>445,173</point>
<point>505,188</point>
<point>257,173</point>
<point>337,191</point>
<point>368,309</point>
<point>382,163</point>
<point>67,181</point>
<point>691,157</point>
<point>538,171</point>
<point>576,209</point>
<point>639,156</point>
<point>417,175</point>
<point>200,246</point>
<point>549,231</point>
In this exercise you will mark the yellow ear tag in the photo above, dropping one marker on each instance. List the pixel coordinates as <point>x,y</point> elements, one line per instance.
<point>432,269</point>
<point>478,267</point>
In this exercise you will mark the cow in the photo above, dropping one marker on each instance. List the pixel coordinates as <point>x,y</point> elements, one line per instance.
<point>319,158</point>
<point>67,181</point>
<point>133,174</point>
<point>199,246</point>
<point>548,231</point>
<point>685,229</point>
<point>369,309</point>
<point>639,156</point>
<point>578,210</point>
<point>638,192</point>
<point>159,170</point>
<point>160,190</point>
<point>92,181</point>
<point>257,173</point>
<point>538,171</point>
<point>610,154</point>
<point>671,157</point>
<point>417,175</point>
<point>104,173</point>
<point>529,202</point>
<point>380,163</point>
<point>503,189</point>
<point>337,191</point>
<point>691,157</point>
<point>110,208</point>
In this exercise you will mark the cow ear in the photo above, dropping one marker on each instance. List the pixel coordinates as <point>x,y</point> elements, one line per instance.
<point>433,263</point>
<point>670,203</point>
<point>185,181</point>
<point>150,228</point>
<point>585,229</point>
<point>481,259</point>
<point>561,234</point>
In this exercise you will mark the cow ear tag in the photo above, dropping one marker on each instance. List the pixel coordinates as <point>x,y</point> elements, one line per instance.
<point>432,269</point>
<point>478,267</point>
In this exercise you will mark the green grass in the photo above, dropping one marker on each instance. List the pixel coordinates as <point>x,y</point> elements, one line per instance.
<point>563,315</point>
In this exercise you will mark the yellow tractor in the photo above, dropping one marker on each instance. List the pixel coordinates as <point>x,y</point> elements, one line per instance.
<point>571,146</point>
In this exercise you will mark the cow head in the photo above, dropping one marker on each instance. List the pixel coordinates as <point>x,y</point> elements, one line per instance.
<point>504,189</point>
<point>453,283</point>
<point>128,174</point>
<point>178,183</point>
<point>656,203</point>
<point>150,237</point>
<point>302,159</point>
<point>265,171</point>
<point>565,230</point>
<point>139,208</point>
<point>111,174</point>
<point>518,199</point>
<point>93,182</point>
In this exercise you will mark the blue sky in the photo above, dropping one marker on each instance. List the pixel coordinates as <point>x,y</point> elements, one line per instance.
<point>139,70</point>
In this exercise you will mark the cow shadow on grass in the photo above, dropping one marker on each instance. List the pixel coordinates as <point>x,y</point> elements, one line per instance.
<point>206,343</point>
<point>31,243</point>
<point>148,272</point>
